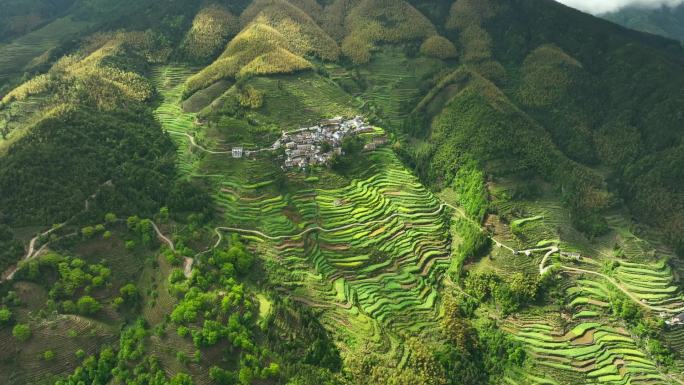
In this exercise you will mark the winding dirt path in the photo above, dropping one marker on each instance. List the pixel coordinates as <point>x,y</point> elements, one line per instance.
<point>551,250</point>
<point>187,261</point>
<point>194,144</point>
<point>31,251</point>
<point>163,237</point>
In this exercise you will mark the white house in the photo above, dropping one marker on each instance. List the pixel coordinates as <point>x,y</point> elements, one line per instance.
<point>676,320</point>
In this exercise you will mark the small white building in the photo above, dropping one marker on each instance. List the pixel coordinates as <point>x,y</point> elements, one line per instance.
<point>237,152</point>
<point>677,320</point>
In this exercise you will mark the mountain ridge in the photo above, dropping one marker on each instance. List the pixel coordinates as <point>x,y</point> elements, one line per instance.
<point>665,21</point>
<point>512,213</point>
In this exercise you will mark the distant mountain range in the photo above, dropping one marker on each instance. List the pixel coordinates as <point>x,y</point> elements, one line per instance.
<point>665,21</point>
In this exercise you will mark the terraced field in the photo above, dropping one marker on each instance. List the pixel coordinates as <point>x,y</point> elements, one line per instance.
<point>591,350</point>
<point>371,252</point>
<point>24,114</point>
<point>587,353</point>
<point>169,81</point>
<point>395,81</point>
<point>368,237</point>
<point>17,54</point>
<point>586,344</point>
<point>296,100</point>
<point>651,285</point>
<point>63,334</point>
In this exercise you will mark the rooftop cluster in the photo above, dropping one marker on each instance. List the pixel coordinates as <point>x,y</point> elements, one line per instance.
<point>318,144</point>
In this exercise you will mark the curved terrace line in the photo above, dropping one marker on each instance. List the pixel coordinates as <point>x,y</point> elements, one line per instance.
<point>542,268</point>
<point>322,229</point>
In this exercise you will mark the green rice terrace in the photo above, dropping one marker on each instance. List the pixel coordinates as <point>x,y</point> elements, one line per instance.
<point>338,192</point>
<point>370,251</point>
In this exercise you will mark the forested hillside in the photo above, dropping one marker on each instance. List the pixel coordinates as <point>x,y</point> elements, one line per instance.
<point>20,17</point>
<point>665,21</point>
<point>180,205</point>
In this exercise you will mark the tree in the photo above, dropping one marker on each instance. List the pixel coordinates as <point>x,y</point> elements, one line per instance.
<point>326,147</point>
<point>438,47</point>
<point>5,315</point>
<point>132,222</point>
<point>129,292</point>
<point>181,379</point>
<point>48,355</point>
<point>116,302</point>
<point>10,247</point>
<point>164,213</point>
<point>186,197</point>
<point>271,371</point>
<point>352,144</point>
<point>68,306</point>
<point>250,97</point>
<point>88,305</point>
<point>524,287</point>
<point>246,375</point>
<point>22,332</point>
<point>110,218</point>
<point>80,354</point>
<point>4,128</point>
<point>244,261</point>
<point>222,376</point>
<point>181,357</point>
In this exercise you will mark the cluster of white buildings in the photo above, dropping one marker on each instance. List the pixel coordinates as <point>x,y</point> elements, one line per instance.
<point>317,145</point>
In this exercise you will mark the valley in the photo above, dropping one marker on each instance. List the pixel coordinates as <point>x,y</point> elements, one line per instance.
<point>343,192</point>
<point>351,291</point>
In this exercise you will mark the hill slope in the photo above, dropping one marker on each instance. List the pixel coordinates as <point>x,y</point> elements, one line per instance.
<point>665,21</point>
<point>513,214</point>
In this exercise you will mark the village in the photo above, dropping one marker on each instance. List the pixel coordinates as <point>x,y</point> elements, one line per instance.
<point>317,145</point>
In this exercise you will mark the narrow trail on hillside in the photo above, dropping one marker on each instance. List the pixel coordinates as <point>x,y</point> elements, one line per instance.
<point>163,237</point>
<point>31,250</point>
<point>191,139</point>
<point>551,251</point>
<point>187,261</point>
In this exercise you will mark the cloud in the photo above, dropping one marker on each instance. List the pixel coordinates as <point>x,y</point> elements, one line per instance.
<point>602,6</point>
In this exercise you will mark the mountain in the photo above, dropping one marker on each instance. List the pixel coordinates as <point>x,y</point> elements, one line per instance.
<point>665,21</point>
<point>501,199</point>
